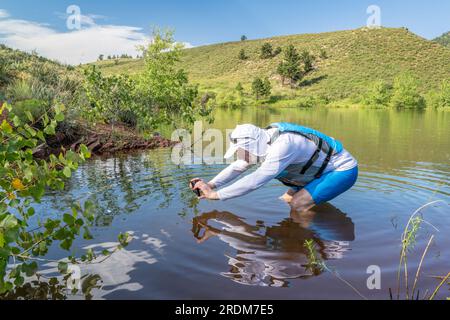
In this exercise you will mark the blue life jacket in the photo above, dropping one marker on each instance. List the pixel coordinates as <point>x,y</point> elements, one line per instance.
<point>324,143</point>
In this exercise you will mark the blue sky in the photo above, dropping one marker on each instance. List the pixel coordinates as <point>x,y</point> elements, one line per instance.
<point>197,22</point>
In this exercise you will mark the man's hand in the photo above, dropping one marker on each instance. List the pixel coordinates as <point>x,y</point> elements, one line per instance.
<point>193,182</point>
<point>206,191</point>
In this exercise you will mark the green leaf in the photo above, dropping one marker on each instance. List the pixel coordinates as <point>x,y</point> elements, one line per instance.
<point>59,117</point>
<point>29,269</point>
<point>30,212</point>
<point>90,255</point>
<point>49,130</point>
<point>19,281</point>
<point>87,234</point>
<point>28,174</point>
<point>2,240</point>
<point>124,239</point>
<point>85,151</point>
<point>68,219</point>
<point>67,172</point>
<point>8,222</point>
<point>40,135</point>
<point>66,244</point>
<point>62,267</point>
<point>6,127</point>
<point>16,121</point>
<point>37,191</point>
<point>30,130</point>
<point>29,115</point>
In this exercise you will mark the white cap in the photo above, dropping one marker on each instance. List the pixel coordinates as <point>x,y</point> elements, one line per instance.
<point>250,138</point>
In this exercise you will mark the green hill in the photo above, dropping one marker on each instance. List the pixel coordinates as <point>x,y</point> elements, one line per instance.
<point>16,65</point>
<point>444,39</point>
<point>356,58</point>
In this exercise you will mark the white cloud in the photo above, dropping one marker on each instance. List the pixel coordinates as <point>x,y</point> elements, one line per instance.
<point>71,47</point>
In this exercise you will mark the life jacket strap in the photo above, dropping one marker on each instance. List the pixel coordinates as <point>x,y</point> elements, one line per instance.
<point>325,163</point>
<point>314,157</point>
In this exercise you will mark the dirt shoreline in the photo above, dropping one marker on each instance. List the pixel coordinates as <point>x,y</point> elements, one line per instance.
<point>101,140</point>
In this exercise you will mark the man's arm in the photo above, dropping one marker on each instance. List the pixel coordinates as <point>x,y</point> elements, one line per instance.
<point>281,155</point>
<point>230,173</point>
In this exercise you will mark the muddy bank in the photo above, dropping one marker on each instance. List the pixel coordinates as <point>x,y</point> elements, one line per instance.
<point>100,140</point>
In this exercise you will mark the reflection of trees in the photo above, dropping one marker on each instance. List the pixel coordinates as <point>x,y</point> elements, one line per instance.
<point>271,255</point>
<point>121,185</point>
<point>53,289</point>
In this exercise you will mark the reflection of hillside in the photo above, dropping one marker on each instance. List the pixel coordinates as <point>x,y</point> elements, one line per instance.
<point>271,255</point>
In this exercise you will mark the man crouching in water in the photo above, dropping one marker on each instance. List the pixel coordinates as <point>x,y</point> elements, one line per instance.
<point>315,166</point>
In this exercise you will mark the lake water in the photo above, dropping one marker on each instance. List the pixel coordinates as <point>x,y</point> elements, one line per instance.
<point>252,248</point>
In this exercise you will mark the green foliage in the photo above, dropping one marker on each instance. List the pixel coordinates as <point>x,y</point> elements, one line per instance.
<point>55,85</point>
<point>439,98</point>
<point>159,95</point>
<point>23,240</point>
<point>110,98</point>
<point>378,94</point>
<point>24,181</point>
<point>266,51</point>
<point>5,72</point>
<point>164,92</point>
<point>242,55</point>
<point>356,59</point>
<point>315,263</point>
<point>35,83</point>
<point>289,68</point>
<point>240,89</point>
<point>308,61</point>
<point>277,51</point>
<point>444,39</point>
<point>231,100</point>
<point>26,110</point>
<point>323,54</point>
<point>405,93</point>
<point>261,88</point>
<point>307,102</point>
<point>19,90</point>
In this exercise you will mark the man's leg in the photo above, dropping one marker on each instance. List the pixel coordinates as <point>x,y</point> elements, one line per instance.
<point>288,196</point>
<point>324,189</point>
<point>302,201</point>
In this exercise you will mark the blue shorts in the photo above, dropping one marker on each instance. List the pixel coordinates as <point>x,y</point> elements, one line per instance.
<point>330,185</point>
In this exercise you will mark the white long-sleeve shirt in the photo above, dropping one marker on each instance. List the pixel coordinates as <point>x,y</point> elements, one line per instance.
<point>288,150</point>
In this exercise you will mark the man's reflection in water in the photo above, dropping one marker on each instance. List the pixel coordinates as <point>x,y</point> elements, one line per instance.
<point>270,255</point>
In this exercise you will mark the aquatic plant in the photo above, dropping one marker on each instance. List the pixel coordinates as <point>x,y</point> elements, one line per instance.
<point>317,265</point>
<point>408,241</point>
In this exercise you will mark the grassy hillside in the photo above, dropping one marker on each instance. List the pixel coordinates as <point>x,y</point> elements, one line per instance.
<point>444,39</point>
<point>356,58</point>
<point>17,66</point>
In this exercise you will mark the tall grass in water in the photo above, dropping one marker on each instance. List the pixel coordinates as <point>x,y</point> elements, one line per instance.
<point>408,239</point>
<point>317,265</point>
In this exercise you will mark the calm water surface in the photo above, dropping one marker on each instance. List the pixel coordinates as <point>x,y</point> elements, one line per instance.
<point>252,248</point>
